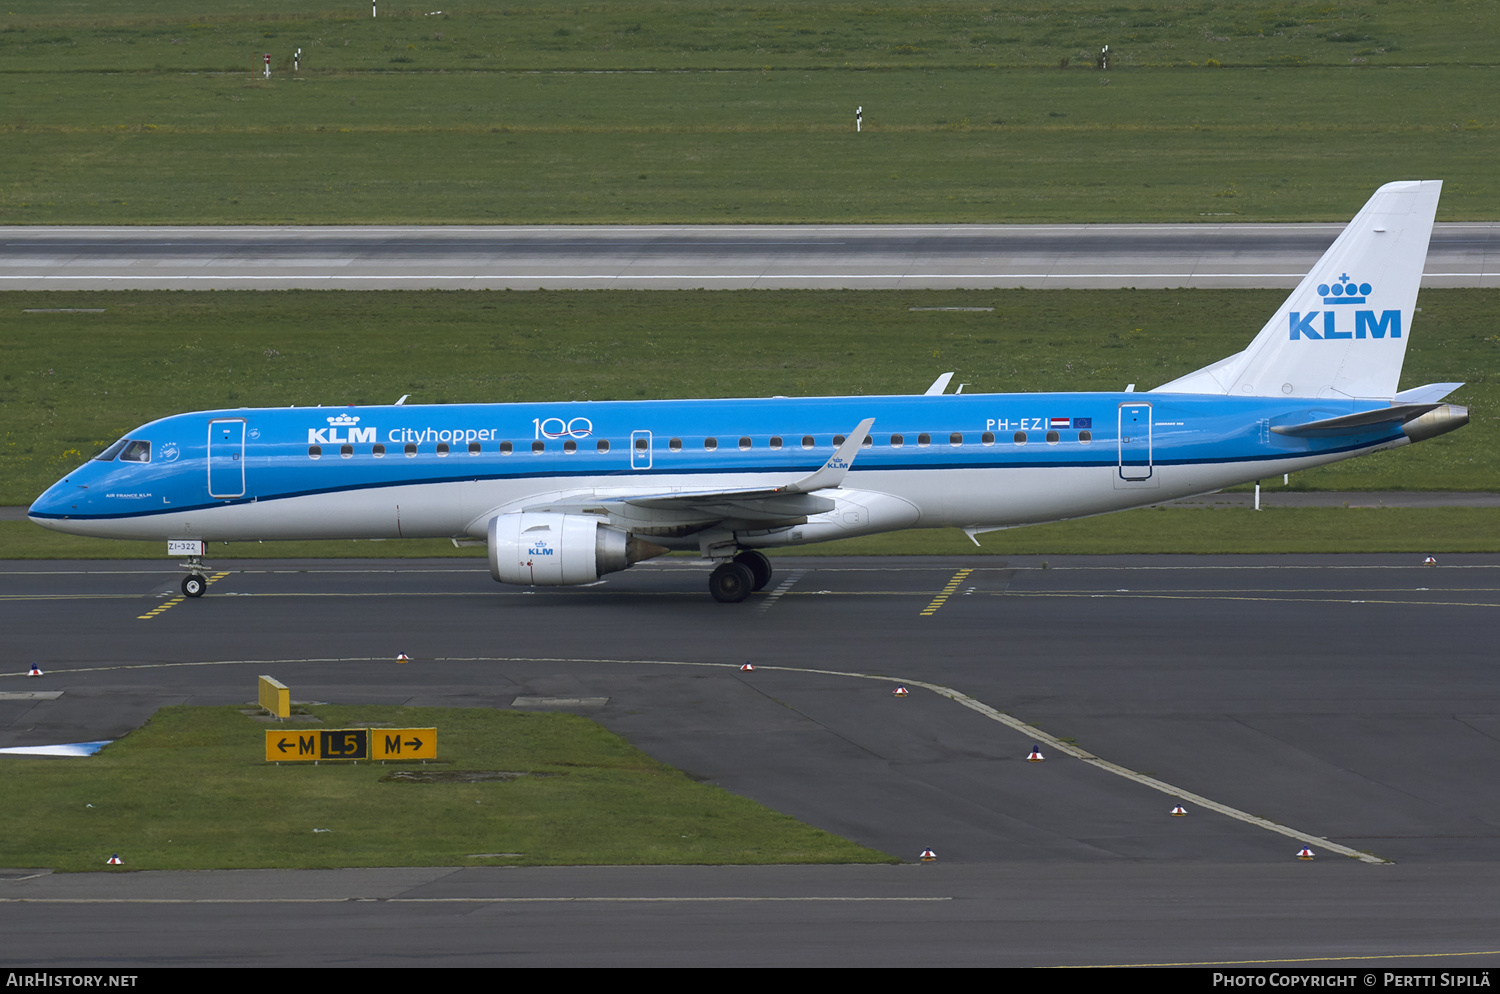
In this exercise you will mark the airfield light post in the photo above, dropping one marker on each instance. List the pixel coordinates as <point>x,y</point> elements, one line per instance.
<point>297,61</point>
<point>1104,57</point>
<point>372,8</point>
<point>268,65</point>
<point>859,118</point>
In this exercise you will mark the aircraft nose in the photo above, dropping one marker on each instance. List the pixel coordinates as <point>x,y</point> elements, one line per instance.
<point>56,502</point>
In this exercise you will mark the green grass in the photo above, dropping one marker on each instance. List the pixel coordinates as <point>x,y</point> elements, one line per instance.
<point>498,114</point>
<point>73,382</point>
<point>190,790</point>
<point>186,35</point>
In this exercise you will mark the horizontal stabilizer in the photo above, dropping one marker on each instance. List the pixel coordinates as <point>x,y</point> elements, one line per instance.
<point>1356,424</point>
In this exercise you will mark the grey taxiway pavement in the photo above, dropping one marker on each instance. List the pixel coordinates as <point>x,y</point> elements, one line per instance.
<point>710,256</point>
<point>1346,703</point>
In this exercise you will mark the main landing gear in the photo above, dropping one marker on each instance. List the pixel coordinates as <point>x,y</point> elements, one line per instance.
<point>733,581</point>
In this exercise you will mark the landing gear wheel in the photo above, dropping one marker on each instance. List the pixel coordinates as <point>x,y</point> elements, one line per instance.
<point>731,583</point>
<point>194,584</point>
<point>759,566</point>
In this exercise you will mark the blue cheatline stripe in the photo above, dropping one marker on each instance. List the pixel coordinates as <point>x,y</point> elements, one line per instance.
<point>625,473</point>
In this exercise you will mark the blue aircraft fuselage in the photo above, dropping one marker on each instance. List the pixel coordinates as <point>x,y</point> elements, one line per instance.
<point>1108,451</point>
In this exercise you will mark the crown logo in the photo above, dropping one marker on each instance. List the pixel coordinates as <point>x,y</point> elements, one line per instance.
<point>1345,291</point>
<point>343,419</point>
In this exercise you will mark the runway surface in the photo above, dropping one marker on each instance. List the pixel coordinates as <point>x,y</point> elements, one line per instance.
<point>706,256</point>
<point>1352,699</point>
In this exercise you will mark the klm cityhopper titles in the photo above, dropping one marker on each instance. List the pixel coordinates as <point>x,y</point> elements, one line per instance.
<point>565,493</point>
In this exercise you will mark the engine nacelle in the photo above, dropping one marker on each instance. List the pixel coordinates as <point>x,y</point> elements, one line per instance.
<point>544,548</point>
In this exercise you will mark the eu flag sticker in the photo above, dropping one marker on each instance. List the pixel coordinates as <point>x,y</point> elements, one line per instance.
<point>1083,422</point>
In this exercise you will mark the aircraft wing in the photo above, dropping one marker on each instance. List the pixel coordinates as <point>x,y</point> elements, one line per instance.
<point>790,503</point>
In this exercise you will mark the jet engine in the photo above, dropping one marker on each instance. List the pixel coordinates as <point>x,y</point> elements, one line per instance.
<point>545,548</point>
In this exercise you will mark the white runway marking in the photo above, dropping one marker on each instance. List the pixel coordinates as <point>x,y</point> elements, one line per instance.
<point>780,590</point>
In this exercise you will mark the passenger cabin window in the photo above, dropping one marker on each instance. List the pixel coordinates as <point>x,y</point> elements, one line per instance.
<point>1053,438</point>
<point>570,446</point>
<point>411,450</point>
<point>315,452</point>
<point>897,441</point>
<point>807,441</point>
<point>988,438</point>
<point>956,438</point>
<point>603,445</point>
<point>675,445</point>
<point>641,444</point>
<point>1085,437</point>
<point>442,448</point>
<point>537,448</point>
<point>473,448</point>
<point>137,451</point>
<point>744,443</point>
<point>506,448</point>
<point>710,444</point>
<point>838,440</point>
<point>346,451</point>
<point>378,451</point>
<point>924,440</point>
<point>1020,438</point>
<point>867,442</point>
<point>775,441</point>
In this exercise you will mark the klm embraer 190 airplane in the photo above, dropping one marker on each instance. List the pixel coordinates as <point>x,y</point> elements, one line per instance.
<point>564,493</point>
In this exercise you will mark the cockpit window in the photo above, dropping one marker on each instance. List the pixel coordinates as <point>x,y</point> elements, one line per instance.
<point>114,450</point>
<point>137,450</point>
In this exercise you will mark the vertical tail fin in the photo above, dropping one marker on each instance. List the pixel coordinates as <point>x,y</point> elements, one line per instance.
<point>1343,331</point>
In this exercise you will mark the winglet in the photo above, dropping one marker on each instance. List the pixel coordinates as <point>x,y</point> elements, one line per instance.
<point>938,385</point>
<point>831,473</point>
<point>1429,393</point>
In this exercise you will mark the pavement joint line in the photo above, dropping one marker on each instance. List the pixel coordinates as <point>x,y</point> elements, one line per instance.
<point>466,900</point>
<point>1274,600</point>
<point>1009,721</point>
<point>897,593</point>
<point>654,567</point>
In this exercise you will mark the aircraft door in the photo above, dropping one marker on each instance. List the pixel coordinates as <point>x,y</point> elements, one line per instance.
<point>226,458</point>
<point>640,450</point>
<point>1135,442</point>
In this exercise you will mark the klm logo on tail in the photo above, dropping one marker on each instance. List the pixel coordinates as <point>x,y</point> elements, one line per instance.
<point>1344,292</point>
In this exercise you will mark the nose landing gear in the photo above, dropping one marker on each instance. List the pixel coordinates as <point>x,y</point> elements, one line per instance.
<point>195,583</point>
